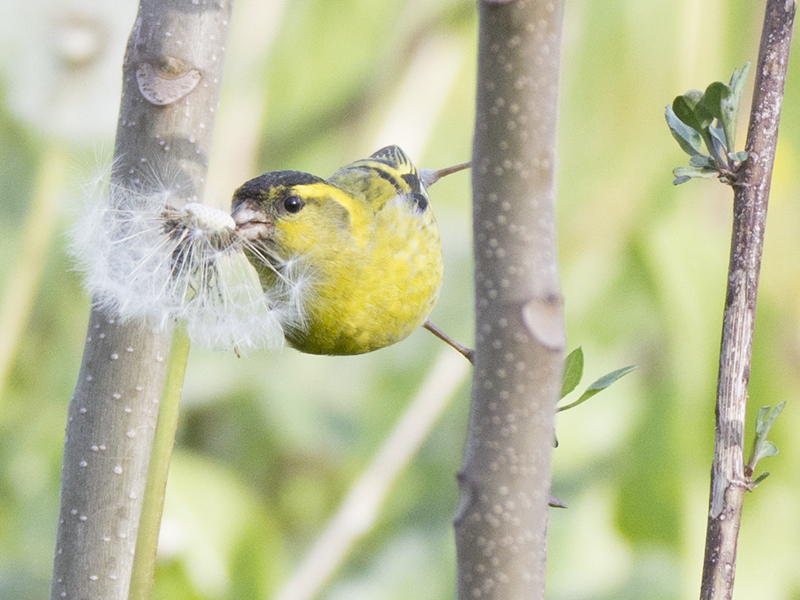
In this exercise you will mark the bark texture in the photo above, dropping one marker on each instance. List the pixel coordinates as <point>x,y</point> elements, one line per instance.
<point>504,480</point>
<point>728,479</point>
<point>172,70</point>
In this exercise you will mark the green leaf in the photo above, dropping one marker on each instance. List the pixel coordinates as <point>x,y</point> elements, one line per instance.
<point>689,108</point>
<point>767,449</point>
<point>766,417</point>
<point>737,82</point>
<point>716,99</point>
<point>688,139</point>
<point>683,107</point>
<point>760,417</point>
<point>759,479</point>
<point>598,386</point>
<point>720,102</point>
<point>763,448</point>
<point>719,137</point>
<point>573,371</point>
<point>703,160</point>
<point>683,174</point>
<point>736,85</point>
<point>609,378</point>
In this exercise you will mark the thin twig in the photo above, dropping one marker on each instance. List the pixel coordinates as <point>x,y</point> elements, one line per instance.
<point>465,352</point>
<point>728,480</point>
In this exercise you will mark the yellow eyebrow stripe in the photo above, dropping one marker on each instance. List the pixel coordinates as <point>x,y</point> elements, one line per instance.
<point>355,207</point>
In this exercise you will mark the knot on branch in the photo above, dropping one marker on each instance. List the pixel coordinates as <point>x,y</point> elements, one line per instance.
<point>169,80</point>
<point>543,319</point>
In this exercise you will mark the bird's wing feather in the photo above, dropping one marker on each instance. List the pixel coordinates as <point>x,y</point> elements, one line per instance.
<point>377,179</point>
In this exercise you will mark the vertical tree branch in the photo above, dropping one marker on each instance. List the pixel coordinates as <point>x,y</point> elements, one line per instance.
<point>728,480</point>
<point>504,480</point>
<point>172,72</point>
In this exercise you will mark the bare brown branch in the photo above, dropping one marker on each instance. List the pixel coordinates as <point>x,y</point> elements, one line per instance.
<point>728,480</point>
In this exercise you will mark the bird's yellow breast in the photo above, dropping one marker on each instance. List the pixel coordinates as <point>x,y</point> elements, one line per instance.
<point>369,283</point>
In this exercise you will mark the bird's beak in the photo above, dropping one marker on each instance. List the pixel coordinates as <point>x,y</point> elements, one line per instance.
<point>252,223</point>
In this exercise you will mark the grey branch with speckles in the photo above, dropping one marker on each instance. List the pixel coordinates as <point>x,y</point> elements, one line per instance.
<point>172,72</point>
<point>728,479</point>
<point>504,480</point>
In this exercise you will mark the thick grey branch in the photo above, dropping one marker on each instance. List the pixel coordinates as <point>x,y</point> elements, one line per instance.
<point>172,71</point>
<point>504,480</point>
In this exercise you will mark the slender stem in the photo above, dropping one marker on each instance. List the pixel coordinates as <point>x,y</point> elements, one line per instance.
<point>461,348</point>
<point>728,480</point>
<point>504,481</point>
<point>144,562</point>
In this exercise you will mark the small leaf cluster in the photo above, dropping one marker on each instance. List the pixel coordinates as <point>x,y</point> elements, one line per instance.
<point>709,118</point>
<point>762,447</point>
<point>573,372</point>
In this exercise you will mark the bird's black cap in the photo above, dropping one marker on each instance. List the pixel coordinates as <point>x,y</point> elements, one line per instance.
<point>273,179</point>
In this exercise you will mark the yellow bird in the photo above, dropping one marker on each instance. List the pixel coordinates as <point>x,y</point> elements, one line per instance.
<point>363,246</point>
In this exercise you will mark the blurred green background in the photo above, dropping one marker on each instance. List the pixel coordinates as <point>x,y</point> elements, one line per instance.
<point>268,445</point>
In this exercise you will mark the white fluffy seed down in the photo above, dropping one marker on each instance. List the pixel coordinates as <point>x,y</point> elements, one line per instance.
<point>207,218</point>
<point>155,257</point>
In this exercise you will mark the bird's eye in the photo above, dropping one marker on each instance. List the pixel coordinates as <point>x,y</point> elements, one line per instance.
<point>292,204</point>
